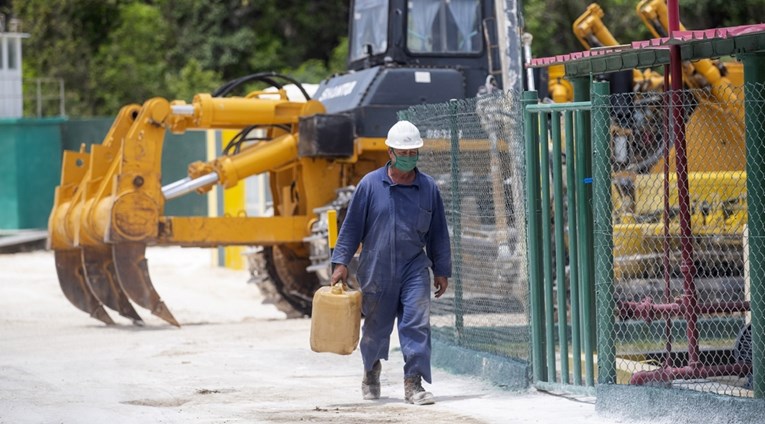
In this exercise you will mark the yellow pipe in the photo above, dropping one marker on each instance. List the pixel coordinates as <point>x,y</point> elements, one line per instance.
<point>332,228</point>
<point>256,159</point>
<point>233,205</point>
<point>241,112</point>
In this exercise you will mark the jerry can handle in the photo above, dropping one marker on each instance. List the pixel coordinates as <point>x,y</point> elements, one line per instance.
<point>339,287</point>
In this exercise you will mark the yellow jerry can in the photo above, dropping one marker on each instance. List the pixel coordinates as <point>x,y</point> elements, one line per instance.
<point>335,320</point>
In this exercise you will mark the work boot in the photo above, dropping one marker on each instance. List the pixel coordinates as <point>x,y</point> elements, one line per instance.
<point>370,385</point>
<point>414,393</point>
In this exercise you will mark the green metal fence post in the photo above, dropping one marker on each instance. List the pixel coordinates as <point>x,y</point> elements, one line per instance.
<point>456,221</point>
<point>754,77</point>
<point>604,244</point>
<point>547,265</point>
<point>533,237</point>
<point>573,249</point>
<point>560,266</point>
<point>584,199</point>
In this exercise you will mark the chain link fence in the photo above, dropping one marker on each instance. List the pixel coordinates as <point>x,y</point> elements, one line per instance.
<point>474,151</point>
<point>676,312</point>
<point>679,245</point>
<point>668,242</point>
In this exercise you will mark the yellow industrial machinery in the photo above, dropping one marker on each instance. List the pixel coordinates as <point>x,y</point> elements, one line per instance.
<point>593,33</point>
<point>110,203</point>
<point>644,85</point>
<point>715,157</point>
<point>560,88</point>
<point>718,103</point>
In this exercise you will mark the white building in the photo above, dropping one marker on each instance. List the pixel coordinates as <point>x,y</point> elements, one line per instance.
<point>11,97</point>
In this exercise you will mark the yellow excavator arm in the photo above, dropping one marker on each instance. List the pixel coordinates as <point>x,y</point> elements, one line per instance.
<point>592,32</point>
<point>110,203</point>
<point>699,73</point>
<point>123,199</point>
<point>590,29</point>
<point>718,103</point>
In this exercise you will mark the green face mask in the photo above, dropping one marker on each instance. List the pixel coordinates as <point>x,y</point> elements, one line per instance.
<point>405,163</point>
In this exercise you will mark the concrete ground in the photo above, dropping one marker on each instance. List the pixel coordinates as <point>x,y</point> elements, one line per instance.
<point>234,360</point>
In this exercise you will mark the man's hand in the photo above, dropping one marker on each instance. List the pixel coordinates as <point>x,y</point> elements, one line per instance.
<point>440,283</point>
<point>340,274</point>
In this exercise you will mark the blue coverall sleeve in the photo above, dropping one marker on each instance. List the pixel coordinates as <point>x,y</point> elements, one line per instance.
<point>438,246</point>
<point>352,229</point>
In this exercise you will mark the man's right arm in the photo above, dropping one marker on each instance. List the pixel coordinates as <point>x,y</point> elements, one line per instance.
<point>340,274</point>
<point>351,233</point>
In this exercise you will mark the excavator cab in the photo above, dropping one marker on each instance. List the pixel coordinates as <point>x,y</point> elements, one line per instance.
<point>436,33</point>
<point>404,53</point>
<point>110,203</point>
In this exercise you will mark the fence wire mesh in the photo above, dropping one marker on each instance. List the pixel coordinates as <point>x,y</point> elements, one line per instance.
<point>676,312</point>
<point>678,241</point>
<point>474,151</point>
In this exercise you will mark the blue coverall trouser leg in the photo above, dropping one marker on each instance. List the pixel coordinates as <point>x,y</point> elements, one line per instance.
<point>408,301</point>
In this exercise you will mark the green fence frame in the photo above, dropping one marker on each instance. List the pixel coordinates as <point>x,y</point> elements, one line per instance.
<point>542,279</point>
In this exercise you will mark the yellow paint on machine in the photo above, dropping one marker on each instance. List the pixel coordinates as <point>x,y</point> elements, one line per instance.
<point>233,205</point>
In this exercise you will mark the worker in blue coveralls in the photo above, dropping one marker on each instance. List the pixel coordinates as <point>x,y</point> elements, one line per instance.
<point>397,216</point>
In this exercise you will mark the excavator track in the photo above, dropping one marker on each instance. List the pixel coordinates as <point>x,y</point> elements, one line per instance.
<point>74,284</point>
<point>102,277</point>
<point>288,286</point>
<point>133,275</point>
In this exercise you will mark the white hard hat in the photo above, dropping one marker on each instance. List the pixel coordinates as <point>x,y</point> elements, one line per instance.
<point>404,135</point>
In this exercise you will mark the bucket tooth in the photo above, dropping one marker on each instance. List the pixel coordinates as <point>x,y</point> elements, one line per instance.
<point>99,271</point>
<point>71,277</point>
<point>133,276</point>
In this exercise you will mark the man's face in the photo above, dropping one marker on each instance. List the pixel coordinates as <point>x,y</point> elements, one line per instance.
<point>403,153</point>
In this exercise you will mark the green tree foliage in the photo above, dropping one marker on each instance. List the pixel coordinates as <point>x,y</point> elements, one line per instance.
<point>130,67</point>
<point>721,13</point>
<point>220,35</point>
<point>64,38</point>
<point>192,79</point>
<point>112,52</point>
<point>314,70</point>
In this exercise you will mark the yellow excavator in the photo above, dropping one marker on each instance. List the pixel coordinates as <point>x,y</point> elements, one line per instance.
<point>592,33</point>
<point>110,203</point>
<point>715,151</point>
<point>718,94</point>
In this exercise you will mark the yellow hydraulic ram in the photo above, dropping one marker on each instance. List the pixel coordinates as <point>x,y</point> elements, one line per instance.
<point>722,105</point>
<point>593,33</point>
<point>110,202</point>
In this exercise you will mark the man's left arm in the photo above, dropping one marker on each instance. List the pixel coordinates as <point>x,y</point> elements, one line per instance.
<point>438,246</point>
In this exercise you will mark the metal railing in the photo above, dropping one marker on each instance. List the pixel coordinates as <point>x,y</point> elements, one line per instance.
<point>560,273</point>
<point>45,97</point>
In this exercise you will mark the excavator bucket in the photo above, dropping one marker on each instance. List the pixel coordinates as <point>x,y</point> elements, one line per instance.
<point>133,276</point>
<point>102,278</point>
<point>71,277</point>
